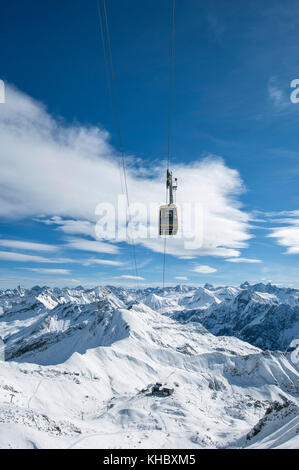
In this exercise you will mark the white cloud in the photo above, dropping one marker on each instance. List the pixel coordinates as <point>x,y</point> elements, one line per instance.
<point>293,213</point>
<point>23,245</point>
<point>288,237</point>
<point>128,276</point>
<point>277,95</point>
<point>107,262</point>
<point>12,256</point>
<point>243,260</point>
<point>69,226</point>
<point>203,269</point>
<point>49,271</point>
<point>91,245</point>
<point>182,278</point>
<point>65,171</point>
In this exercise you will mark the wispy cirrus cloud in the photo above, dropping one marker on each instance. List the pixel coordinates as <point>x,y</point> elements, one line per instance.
<point>25,245</point>
<point>65,171</point>
<point>243,260</point>
<point>284,229</point>
<point>74,243</point>
<point>91,245</point>
<point>22,257</point>
<point>277,95</point>
<point>106,262</point>
<point>287,237</point>
<point>203,269</point>
<point>71,226</point>
<point>128,276</point>
<point>49,271</point>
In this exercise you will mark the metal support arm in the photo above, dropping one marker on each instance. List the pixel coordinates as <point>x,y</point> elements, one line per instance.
<point>170,186</point>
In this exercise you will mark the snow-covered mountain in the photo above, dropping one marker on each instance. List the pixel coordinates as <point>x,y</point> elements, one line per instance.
<point>263,315</point>
<point>81,364</point>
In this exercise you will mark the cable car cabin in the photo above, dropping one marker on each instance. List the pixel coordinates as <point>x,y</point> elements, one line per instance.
<point>168,220</point>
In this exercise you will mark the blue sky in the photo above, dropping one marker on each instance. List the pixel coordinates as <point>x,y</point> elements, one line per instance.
<point>234,128</point>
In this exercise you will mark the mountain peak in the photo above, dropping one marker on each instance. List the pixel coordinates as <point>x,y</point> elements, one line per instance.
<point>245,285</point>
<point>208,286</point>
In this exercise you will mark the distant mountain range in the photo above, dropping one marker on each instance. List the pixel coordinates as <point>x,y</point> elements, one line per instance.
<point>263,315</point>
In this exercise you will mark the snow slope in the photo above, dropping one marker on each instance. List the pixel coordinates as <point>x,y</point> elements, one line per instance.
<point>81,363</point>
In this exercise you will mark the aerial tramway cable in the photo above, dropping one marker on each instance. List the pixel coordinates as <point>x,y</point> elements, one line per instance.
<point>169,133</point>
<point>168,220</point>
<point>108,77</point>
<point>115,106</point>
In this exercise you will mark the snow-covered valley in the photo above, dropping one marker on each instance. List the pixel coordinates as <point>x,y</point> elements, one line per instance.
<point>80,366</point>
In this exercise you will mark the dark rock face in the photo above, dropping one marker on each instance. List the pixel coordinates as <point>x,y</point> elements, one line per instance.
<point>262,324</point>
<point>265,316</point>
<point>275,412</point>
